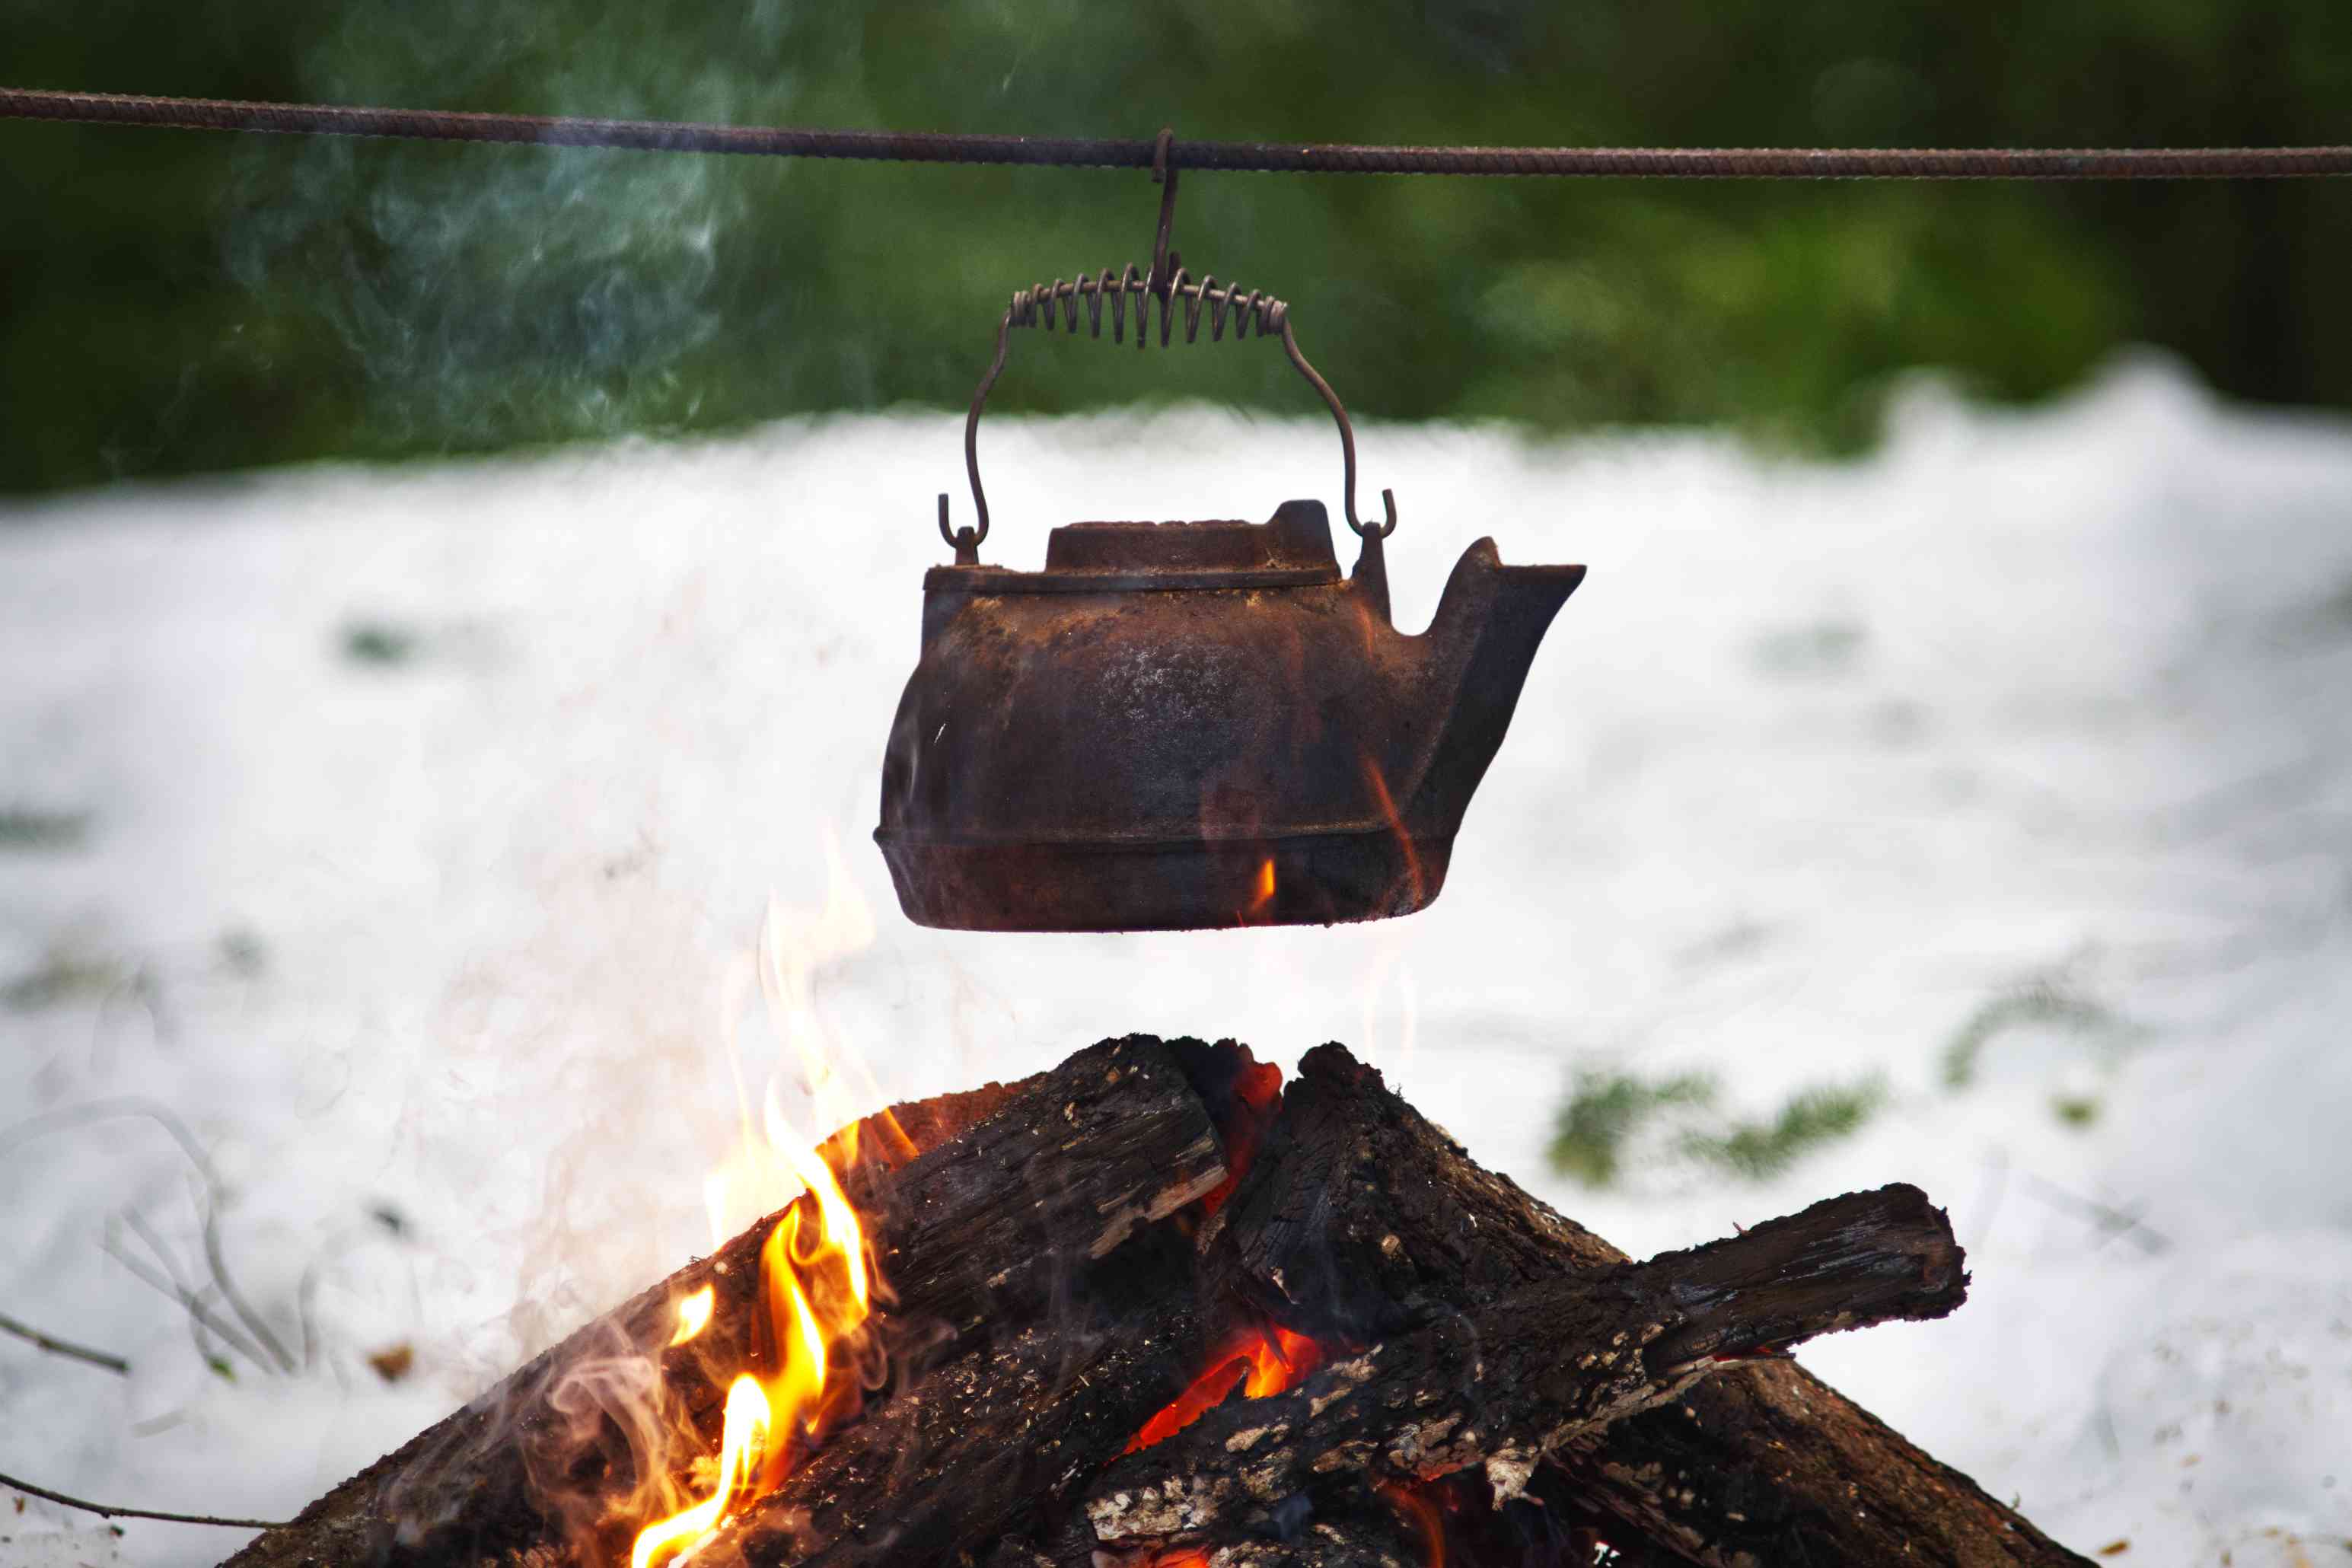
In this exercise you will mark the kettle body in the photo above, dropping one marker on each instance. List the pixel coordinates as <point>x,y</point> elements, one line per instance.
<point>1185,725</point>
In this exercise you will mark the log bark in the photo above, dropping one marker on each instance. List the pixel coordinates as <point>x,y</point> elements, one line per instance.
<point>1360,1218</point>
<point>991,1442</point>
<point>1043,1315</point>
<point>976,1232</point>
<point>1499,1386</point>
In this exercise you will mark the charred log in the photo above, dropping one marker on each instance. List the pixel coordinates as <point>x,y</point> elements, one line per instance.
<point>1362,1217</point>
<point>1479,1346</point>
<point>1500,1386</point>
<point>976,1232</point>
<point>988,1443</point>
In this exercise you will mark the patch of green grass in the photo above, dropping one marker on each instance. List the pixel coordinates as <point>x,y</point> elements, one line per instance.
<point>21,829</point>
<point>61,978</point>
<point>2046,999</point>
<point>379,643</point>
<point>1817,648</point>
<point>1811,1118</point>
<point>1605,1110</point>
<point>242,952</point>
<point>2074,1110</point>
<point>1606,1113</point>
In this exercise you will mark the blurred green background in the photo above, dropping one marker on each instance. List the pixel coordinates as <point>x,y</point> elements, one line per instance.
<point>173,303</point>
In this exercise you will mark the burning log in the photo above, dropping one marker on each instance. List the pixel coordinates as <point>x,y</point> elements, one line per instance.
<point>1362,1219</point>
<point>1436,1366</point>
<point>977,1231</point>
<point>1502,1385</point>
<point>991,1442</point>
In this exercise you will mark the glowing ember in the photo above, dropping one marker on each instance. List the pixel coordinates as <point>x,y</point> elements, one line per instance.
<point>1263,1361</point>
<point>1263,895</point>
<point>694,1315</point>
<point>1255,1091</point>
<point>1421,1511</point>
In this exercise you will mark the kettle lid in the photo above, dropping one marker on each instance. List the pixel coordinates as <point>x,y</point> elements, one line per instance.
<point>1294,547</point>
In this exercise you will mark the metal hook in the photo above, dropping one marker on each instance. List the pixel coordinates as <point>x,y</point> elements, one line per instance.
<point>967,541</point>
<point>1163,173</point>
<point>1347,438</point>
<point>1167,283</point>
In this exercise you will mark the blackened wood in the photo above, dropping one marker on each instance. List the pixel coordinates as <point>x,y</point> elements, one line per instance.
<point>1452,1522</point>
<point>1361,1216</point>
<point>1500,1386</point>
<point>987,1229</point>
<point>986,1444</point>
<point>978,1229</point>
<point>1366,1537</point>
<point>1769,1465</point>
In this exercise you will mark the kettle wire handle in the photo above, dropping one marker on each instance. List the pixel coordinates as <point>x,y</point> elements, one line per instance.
<point>1047,304</point>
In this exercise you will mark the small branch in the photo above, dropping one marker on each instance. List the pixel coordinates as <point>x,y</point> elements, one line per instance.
<point>235,1298</point>
<point>106,1510</point>
<point>71,1116</point>
<point>272,1354</point>
<point>54,1346</point>
<point>2112,1221</point>
<point>187,1299</point>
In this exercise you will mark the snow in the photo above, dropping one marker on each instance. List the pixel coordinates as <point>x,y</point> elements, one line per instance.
<point>1822,763</point>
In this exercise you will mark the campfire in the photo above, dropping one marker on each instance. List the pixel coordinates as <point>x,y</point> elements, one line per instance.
<point>1157,1307</point>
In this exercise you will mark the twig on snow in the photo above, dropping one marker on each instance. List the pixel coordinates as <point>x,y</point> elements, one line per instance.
<point>2111,1221</point>
<point>170,1285</point>
<point>272,1354</point>
<point>235,1298</point>
<point>108,1511</point>
<point>55,1346</point>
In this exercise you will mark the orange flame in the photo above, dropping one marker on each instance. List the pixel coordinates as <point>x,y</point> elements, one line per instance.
<point>816,1268</point>
<point>819,1293</point>
<point>1421,1511</point>
<point>1389,814</point>
<point>1256,1088</point>
<point>1263,895</point>
<point>748,1424</point>
<point>1263,1361</point>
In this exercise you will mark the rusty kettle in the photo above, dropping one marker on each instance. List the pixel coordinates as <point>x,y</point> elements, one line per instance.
<point>1178,725</point>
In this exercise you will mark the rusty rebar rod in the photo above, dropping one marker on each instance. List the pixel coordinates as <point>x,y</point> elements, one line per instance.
<point>1140,152</point>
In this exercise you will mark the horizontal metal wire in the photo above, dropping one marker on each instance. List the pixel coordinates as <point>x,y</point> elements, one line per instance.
<point>1270,157</point>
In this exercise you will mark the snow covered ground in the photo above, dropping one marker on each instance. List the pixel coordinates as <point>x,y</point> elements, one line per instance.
<point>398,832</point>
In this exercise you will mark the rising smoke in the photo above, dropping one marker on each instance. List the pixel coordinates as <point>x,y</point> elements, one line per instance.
<point>489,296</point>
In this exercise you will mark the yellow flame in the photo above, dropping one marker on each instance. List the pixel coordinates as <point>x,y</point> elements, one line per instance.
<point>816,1270</point>
<point>746,1436</point>
<point>694,1315</point>
<point>785,970</point>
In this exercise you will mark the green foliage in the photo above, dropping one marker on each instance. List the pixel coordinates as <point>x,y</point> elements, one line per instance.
<point>62,977</point>
<point>1811,1118</point>
<point>1609,1114</point>
<point>25,828</point>
<point>2074,1110</point>
<point>2049,1000</point>
<point>375,643</point>
<point>173,302</point>
<point>1604,1109</point>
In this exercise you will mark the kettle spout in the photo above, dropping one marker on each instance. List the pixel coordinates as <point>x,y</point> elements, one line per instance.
<point>1482,641</point>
